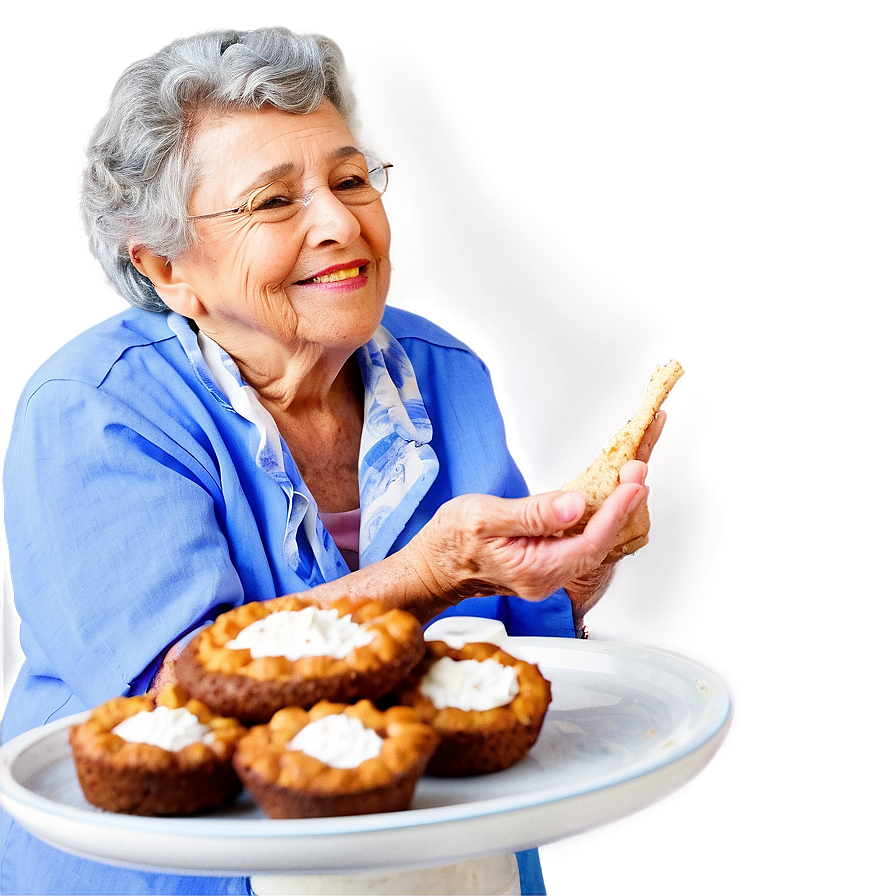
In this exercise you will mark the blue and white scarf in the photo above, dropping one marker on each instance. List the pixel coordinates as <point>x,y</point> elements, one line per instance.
<point>397,465</point>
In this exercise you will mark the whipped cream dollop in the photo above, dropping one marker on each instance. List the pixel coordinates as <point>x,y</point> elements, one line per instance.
<point>170,729</point>
<point>294,634</point>
<point>339,740</point>
<point>469,684</point>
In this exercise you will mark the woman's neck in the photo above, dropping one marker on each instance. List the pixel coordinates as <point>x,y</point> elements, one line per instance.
<point>316,398</point>
<point>324,439</point>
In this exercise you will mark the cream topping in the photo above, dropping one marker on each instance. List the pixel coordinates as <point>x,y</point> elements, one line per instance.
<point>170,729</point>
<point>294,634</point>
<point>469,684</point>
<point>338,740</point>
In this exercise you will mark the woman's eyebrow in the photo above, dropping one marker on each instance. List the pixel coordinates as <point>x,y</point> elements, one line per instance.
<point>345,152</point>
<point>267,177</point>
<point>273,174</point>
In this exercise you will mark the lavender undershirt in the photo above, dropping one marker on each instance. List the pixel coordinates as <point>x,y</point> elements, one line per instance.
<point>345,530</point>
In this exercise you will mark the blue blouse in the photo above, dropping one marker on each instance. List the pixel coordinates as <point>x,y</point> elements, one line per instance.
<point>146,490</point>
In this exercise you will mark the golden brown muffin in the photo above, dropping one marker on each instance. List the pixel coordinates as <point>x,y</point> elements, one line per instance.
<point>233,683</point>
<point>289,783</point>
<point>143,779</point>
<point>473,741</point>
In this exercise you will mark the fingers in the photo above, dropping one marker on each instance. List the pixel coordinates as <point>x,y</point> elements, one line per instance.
<point>651,436</point>
<point>576,558</point>
<point>537,515</point>
<point>634,471</point>
<point>604,527</point>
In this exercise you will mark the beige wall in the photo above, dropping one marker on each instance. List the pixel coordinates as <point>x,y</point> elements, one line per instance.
<point>713,180</point>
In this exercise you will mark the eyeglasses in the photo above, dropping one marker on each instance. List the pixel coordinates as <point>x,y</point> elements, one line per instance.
<point>352,182</point>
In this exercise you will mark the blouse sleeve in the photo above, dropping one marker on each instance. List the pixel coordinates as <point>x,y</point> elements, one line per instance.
<point>114,542</point>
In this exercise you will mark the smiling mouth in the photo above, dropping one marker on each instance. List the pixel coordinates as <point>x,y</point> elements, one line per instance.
<point>335,276</point>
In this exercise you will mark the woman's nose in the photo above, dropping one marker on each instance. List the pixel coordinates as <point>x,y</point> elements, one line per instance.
<point>326,219</point>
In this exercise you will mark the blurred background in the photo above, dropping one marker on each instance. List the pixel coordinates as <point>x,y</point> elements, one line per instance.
<point>580,192</point>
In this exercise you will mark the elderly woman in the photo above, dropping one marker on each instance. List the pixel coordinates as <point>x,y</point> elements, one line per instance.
<point>259,423</point>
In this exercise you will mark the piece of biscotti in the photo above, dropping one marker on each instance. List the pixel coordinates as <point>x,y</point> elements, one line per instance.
<point>598,480</point>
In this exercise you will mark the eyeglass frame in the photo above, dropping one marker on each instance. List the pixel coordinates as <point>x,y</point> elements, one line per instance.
<point>305,200</point>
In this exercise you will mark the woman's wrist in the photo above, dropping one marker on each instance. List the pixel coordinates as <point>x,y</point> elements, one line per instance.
<point>584,595</point>
<point>402,581</point>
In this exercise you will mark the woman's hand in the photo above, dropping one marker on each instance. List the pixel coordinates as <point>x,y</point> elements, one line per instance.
<point>479,544</point>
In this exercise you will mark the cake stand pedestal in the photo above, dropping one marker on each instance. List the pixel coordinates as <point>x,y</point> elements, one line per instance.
<point>487,876</point>
<point>626,727</point>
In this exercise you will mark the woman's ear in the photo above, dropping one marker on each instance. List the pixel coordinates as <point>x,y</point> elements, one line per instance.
<point>174,291</point>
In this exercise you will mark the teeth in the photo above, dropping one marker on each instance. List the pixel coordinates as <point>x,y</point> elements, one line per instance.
<point>337,275</point>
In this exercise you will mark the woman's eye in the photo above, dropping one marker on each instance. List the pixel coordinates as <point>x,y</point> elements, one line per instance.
<point>350,183</point>
<point>271,198</point>
<point>263,203</point>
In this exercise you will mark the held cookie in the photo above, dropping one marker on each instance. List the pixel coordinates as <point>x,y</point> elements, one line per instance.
<point>165,756</point>
<point>335,759</point>
<point>486,706</point>
<point>599,479</point>
<point>264,656</point>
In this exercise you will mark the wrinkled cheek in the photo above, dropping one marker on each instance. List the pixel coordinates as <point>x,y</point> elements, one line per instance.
<point>275,310</point>
<point>383,277</point>
<point>380,236</point>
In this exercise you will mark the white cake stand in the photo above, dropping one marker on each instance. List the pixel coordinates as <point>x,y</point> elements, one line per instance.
<point>627,726</point>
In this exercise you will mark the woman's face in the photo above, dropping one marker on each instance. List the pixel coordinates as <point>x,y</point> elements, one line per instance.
<point>317,280</point>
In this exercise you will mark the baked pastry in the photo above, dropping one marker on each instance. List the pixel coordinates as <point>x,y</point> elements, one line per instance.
<point>598,480</point>
<point>289,651</point>
<point>168,755</point>
<point>335,759</point>
<point>486,706</point>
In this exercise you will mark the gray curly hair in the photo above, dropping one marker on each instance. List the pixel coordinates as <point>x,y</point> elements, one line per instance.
<point>139,177</point>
